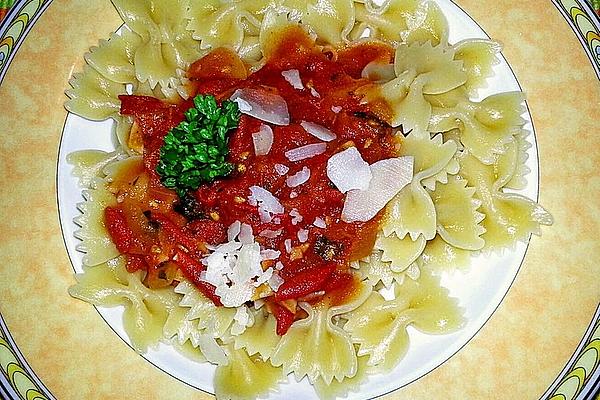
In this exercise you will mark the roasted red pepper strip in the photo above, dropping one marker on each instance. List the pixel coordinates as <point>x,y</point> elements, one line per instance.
<point>284,317</point>
<point>174,232</point>
<point>304,283</point>
<point>118,229</point>
<point>191,269</point>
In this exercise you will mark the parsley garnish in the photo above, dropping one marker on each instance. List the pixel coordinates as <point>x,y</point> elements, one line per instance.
<point>195,151</point>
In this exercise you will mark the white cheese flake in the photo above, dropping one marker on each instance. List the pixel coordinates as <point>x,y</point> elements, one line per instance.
<point>318,131</point>
<point>242,319</point>
<point>288,245</point>
<point>296,216</point>
<point>307,151</point>
<point>303,235</point>
<point>262,104</point>
<point>270,254</point>
<point>347,170</point>
<point>246,235</point>
<point>275,282</point>
<point>298,178</point>
<point>336,109</point>
<point>235,269</point>
<point>292,76</point>
<point>264,277</point>
<point>281,169</point>
<point>233,231</point>
<point>268,205</point>
<point>389,177</point>
<point>263,140</point>
<point>320,223</point>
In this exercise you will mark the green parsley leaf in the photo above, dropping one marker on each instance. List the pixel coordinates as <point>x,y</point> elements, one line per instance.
<point>195,151</point>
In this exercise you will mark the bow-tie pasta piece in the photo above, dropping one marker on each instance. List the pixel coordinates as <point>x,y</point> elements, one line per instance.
<point>331,20</point>
<point>95,240</point>
<point>167,46</point>
<point>209,319</point>
<point>479,56</point>
<point>410,212</point>
<point>458,221</point>
<point>192,341</point>
<point>439,256</point>
<point>404,20</point>
<point>375,270</point>
<point>89,164</point>
<point>502,111</point>
<point>113,58</point>
<point>260,338</point>
<point>245,377</point>
<point>146,310</point>
<point>316,347</point>
<point>509,217</point>
<point>152,19</point>
<point>436,65</point>
<point>486,127</point>
<point>378,326</point>
<point>431,154</point>
<point>431,309</point>
<point>93,96</point>
<point>337,389</point>
<point>510,167</point>
<point>218,23</point>
<point>404,97</point>
<point>401,253</point>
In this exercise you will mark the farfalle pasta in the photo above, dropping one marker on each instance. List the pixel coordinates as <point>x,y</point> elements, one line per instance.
<point>331,162</point>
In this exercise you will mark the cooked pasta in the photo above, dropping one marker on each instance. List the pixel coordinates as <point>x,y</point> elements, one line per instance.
<point>418,184</point>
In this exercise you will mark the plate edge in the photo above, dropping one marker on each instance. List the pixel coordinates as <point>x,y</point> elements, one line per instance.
<point>17,379</point>
<point>579,14</point>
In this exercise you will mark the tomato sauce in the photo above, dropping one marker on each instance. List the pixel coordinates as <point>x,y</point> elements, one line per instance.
<point>321,263</point>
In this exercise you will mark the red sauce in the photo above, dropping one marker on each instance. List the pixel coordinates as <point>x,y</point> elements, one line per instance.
<point>322,262</point>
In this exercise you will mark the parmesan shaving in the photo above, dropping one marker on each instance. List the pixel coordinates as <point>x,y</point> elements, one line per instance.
<point>304,152</point>
<point>296,217</point>
<point>262,104</point>
<point>281,169</point>
<point>292,76</point>
<point>318,131</point>
<point>347,170</point>
<point>275,282</point>
<point>320,223</point>
<point>303,235</point>
<point>298,178</point>
<point>288,245</point>
<point>262,140</point>
<point>389,177</point>
<point>268,205</point>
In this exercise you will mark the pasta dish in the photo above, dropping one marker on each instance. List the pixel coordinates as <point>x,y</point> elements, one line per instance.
<point>286,179</point>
